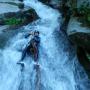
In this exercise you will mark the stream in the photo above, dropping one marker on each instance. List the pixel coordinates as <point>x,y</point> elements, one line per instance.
<point>58,67</point>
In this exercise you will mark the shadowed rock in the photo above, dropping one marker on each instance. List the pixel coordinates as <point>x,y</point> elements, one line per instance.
<point>25,16</point>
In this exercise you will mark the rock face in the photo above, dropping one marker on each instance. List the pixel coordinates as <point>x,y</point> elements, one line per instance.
<point>79,2</point>
<point>27,16</point>
<point>80,36</point>
<point>5,36</point>
<point>4,8</point>
<point>77,34</point>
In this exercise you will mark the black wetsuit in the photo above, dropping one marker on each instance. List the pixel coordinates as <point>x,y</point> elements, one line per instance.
<point>36,40</point>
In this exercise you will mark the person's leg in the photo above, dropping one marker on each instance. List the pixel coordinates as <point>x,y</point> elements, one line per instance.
<point>20,62</point>
<point>35,54</point>
<point>23,54</point>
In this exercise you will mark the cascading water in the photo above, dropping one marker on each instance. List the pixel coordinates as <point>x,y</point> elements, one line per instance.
<point>58,67</point>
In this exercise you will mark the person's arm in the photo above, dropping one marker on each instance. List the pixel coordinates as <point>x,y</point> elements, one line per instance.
<point>27,35</point>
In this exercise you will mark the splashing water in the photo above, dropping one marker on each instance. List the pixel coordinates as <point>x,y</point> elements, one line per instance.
<point>58,67</point>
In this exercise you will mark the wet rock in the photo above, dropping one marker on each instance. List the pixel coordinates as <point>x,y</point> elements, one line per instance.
<point>21,6</point>
<point>24,16</point>
<point>15,17</point>
<point>4,8</point>
<point>66,15</point>
<point>55,4</point>
<point>83,59</point>
<point>80,36</point>
<point>6,35</point>
<point>45,1</point>
<point>3,27</point>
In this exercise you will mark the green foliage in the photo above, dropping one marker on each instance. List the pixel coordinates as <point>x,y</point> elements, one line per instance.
<point>13,21</point>
<point>83,13</point>
<point>88,56</point>
<point>88,18</point>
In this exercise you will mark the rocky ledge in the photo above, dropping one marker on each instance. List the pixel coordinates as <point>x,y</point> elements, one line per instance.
<point>80,36</point>
<point>14,16</point>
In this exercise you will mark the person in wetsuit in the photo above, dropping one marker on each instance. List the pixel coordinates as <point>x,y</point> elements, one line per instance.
<point>32,47</point>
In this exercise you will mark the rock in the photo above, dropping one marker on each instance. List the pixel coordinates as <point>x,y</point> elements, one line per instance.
<point>4,8</point>
<point>2,28</point>
<point>80,36</point>
<point>52,3</point>
<point>45,1</point>
<point>6,0</point>
<point>24,16</point>
<point>15,17</point>
<point>83,59</point>
<point>80,2</point>
<point>66,15</point>
<point>6,35</point>
<point>18,4</point>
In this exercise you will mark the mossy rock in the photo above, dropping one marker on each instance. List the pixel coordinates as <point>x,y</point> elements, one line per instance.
<point>13,21</point>
<point>18,18</point>
<point>83,59</point>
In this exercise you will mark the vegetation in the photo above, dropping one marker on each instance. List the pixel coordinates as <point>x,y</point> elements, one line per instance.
<point>83,13</point>
<point>14,21</point>
<point>88,56</point>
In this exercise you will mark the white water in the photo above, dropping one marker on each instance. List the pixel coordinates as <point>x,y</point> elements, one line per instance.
<point>59,68</point>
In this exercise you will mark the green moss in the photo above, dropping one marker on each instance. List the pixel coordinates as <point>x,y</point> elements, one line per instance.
<point>89,18</point>
<point>13,21</point>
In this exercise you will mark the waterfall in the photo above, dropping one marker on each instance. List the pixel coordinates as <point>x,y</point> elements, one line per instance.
<point>57,68</point>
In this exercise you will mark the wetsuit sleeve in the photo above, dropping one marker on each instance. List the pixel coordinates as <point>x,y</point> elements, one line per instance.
<point>27,35</point>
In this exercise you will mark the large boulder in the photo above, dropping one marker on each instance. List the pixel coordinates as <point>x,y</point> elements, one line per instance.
<point>11,17</point>
<point>15,17</point>
<point>19,17</point>
<point>80,36</point>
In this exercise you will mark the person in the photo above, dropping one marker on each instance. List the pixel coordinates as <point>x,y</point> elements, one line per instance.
<point>32,47</point>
